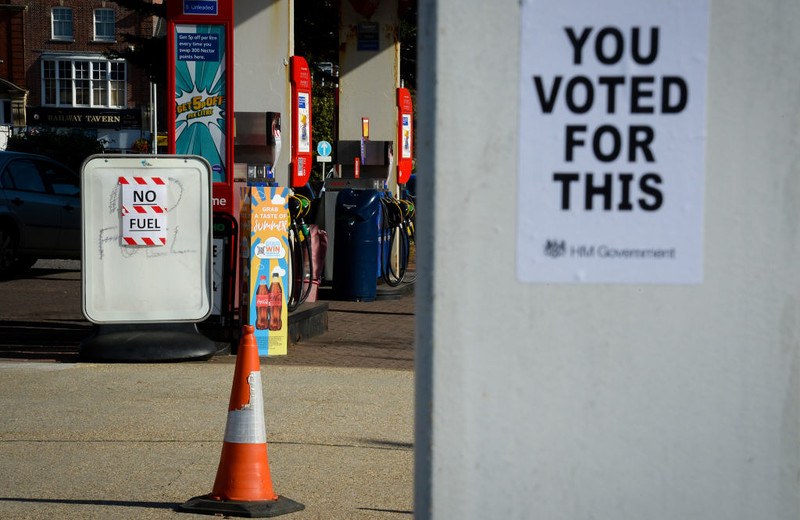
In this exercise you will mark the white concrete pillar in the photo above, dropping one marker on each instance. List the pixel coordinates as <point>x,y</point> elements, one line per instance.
<point>369,74</point>
<point>619,401</point>
<point>263,44</point>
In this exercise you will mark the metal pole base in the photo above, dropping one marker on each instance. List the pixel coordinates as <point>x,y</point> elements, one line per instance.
<point>205,505</point>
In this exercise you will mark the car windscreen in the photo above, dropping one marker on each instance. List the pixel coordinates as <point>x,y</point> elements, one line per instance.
<point>22,174</point>
<point>60,180</point>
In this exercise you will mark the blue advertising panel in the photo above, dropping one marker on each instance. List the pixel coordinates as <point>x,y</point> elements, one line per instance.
<point>207,7</point>
<point>201,93</point>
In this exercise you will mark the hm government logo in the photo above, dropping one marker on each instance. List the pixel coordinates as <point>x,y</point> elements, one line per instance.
<point>555,248</point>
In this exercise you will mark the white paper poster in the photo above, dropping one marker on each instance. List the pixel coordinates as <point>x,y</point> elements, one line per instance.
<point>406,145</point>
<point>303,106</point>
<point>144,211</point>
<point>612,141</point>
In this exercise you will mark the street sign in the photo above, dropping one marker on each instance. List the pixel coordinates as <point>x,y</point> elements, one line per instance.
<point>323,149</point>
<point>200,7</point>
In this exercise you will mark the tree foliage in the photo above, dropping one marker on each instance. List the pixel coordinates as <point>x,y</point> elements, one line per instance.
<point>317,30</point>
<point>70,149</point>
<point>316,40</point>
<point>322,113</point>
<point>408,47</point>
<point>317,35</point>
<point>147,53</point>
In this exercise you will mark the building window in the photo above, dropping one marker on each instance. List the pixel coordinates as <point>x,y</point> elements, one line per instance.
<point>5,112</point>
<point>62,23</point>
<point>117,82</point>
<point>64,83</point>
<point>84,83</point>
<point>104,25</point>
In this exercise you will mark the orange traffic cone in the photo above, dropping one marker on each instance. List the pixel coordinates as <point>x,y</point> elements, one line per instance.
<point>243,486</point>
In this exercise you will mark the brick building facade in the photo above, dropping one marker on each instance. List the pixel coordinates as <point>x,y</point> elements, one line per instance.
<point>56,72</point>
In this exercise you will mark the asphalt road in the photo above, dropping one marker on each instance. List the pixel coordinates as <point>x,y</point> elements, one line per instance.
<point>93,440</point>
<point>40,313</point>
<point>41,319</point>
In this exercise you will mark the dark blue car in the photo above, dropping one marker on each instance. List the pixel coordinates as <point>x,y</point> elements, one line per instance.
<point>40,211</point>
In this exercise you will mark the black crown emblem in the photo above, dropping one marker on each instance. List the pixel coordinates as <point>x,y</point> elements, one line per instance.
<point>555,248</point>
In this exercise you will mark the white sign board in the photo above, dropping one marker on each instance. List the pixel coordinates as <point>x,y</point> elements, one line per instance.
<point>611,141</point>
<point>125,282</point>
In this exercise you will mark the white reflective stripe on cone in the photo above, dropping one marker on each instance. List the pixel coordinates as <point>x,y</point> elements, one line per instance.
<point>246,425</point>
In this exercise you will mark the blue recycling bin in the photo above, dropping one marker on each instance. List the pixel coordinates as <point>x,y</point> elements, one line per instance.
<point>355,245</point>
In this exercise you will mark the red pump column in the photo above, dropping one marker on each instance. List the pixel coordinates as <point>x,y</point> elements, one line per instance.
<point>200,117</point>
<point>200,61</point>
<point>301,122</point>
<point>405,135</point>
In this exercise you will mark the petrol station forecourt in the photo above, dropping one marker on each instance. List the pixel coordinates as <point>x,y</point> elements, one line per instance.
<point>135,440</point>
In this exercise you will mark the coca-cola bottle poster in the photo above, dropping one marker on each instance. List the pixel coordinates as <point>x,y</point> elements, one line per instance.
<point>268,238</point>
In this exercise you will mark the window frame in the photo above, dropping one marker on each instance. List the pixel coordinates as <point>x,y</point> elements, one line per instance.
<point>6,112</point>
<point>60,22</point>
<point>84,81</point>
<point>112,22</point>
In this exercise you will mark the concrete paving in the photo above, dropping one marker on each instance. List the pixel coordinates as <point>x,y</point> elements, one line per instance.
<point>86,440</point>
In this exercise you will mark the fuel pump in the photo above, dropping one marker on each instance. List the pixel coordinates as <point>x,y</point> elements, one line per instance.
<point>302,261</point>
<point>273,144</point>
<point>266,269</point>
<point>397,227</point>
<point>409,211</point>
<point>257,145</point>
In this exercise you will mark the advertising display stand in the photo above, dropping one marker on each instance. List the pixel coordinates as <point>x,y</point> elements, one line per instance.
<point>265,268</point>
<point>200,63</point>
<point>146,259</point>
<point>200,122</point>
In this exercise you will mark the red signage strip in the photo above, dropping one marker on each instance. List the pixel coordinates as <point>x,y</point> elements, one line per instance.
<point>200,116</point>
<point>405,135</point>
<point>200,11</point>
<point>301,121</point>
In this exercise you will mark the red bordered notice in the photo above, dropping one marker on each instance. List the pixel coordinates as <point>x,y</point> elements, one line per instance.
<point>144,211</point>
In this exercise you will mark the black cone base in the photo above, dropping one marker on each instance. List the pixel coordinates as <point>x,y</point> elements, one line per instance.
<point>248,509</point>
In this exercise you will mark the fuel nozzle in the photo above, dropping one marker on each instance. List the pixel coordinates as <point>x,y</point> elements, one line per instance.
<point>295,207</point>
